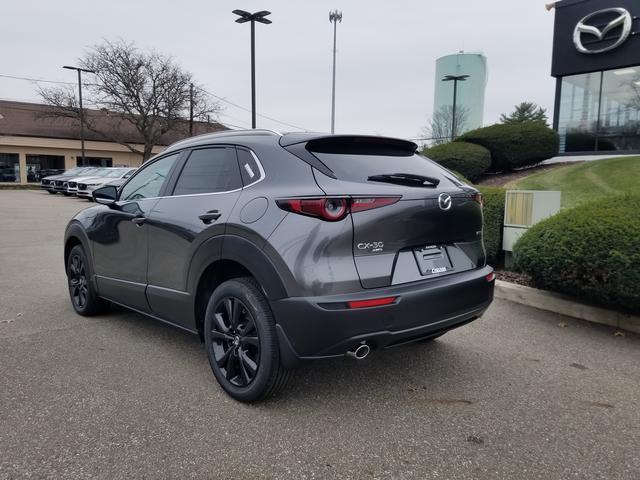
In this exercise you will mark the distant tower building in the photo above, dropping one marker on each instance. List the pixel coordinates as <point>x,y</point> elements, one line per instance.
<point>470,94</point>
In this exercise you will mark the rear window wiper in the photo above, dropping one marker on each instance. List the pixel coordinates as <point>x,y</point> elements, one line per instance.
<point>408,179</point>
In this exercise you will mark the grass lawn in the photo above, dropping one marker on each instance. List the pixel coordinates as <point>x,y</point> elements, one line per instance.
<point>586,181</point>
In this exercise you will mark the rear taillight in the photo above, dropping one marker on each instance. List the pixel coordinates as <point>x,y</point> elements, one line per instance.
<point>333,209</point>
<point>491,277</point>
<point>478,198</point>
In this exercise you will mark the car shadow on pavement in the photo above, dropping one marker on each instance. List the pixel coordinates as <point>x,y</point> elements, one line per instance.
<point>427,366</point>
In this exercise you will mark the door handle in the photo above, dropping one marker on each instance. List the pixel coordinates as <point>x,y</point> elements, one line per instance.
<point>210,216</point>
<point>139,221</point>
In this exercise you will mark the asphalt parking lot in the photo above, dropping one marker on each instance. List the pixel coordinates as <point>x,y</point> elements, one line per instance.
<point>518,394</point>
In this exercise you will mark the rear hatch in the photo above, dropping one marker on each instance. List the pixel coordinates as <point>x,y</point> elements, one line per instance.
<point>433,229</point>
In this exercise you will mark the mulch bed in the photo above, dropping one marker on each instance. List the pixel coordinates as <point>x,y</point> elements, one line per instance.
<point>499,179</point>
<point>515,277</point>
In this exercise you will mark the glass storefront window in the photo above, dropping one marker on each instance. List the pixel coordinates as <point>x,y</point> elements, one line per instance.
<point>9,167</point>
<point>620,110</point>
<point>39,166</point>
<point>600,111</point>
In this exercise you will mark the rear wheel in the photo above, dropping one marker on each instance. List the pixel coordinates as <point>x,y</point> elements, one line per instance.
<point>241,341</point>
<point>84,298</point>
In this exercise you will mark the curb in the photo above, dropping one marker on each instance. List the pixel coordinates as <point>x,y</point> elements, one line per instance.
<point>565,305</point>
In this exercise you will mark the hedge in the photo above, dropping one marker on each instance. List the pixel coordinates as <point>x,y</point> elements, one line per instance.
<point>493,213</point>
<point>466,158</point>
<point>515,145</point>
<point>591,252</point>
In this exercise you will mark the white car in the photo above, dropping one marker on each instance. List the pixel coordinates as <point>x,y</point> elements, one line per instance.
<point>72,183</point>
<point>88,185</point>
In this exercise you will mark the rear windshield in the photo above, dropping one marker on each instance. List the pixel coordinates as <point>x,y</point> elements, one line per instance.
<point>357,168</point>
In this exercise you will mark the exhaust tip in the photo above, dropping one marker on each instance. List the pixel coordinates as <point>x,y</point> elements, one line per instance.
<point>360,352</point>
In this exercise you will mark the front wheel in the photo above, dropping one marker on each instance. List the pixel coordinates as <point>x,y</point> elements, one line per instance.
<point>84,298</point>
<point>241,341</point>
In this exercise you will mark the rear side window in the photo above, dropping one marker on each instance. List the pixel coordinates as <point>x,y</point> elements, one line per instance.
<point>358,167</point>
<point>249,168</point>
<point>209,170</point>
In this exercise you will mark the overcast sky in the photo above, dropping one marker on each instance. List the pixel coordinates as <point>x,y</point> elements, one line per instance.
<point>386,53</point>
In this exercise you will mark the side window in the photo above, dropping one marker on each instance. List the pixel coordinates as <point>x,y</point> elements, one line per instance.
<point>249,168</point>
<point>149,179</point>
<point>209,170</point>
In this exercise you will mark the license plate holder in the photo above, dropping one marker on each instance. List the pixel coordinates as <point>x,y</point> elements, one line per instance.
<point>432,259</point>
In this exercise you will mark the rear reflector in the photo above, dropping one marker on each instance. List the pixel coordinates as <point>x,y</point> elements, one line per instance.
<point>491,277</point>
<point>374,302</point>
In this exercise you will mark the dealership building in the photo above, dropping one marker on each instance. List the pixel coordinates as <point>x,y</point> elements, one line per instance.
<point>35,142</point>
<point>596,63</point>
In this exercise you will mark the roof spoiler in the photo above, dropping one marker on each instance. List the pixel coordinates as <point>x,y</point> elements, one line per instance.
<point>321,142</point>
<point>304,145</point>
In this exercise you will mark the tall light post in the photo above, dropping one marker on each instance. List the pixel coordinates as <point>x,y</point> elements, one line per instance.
<point>334,17</point>
<point>253,18</point>
<point>455,79</point>
<point>80,70</point>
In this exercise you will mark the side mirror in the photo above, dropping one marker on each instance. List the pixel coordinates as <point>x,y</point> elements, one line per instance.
<point>106,195</point>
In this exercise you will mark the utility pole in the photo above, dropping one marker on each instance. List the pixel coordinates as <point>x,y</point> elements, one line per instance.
<point>455,79</point>
<point>253,18</point>
<point>334,17</point>
<point>80,70</point>
<point>191,110</point>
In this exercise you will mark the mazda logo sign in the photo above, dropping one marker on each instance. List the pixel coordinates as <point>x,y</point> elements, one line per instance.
<point>444,201</point>
<point>599,32</point>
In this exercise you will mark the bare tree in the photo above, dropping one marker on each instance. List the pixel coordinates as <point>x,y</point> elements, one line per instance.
<point>438,131</point>
<point>144,89</point>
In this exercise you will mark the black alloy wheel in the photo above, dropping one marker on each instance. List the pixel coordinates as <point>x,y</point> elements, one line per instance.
<point>235,341</point>
<point>78,280</point>
<point>242,343</point>
<point>84,298</point>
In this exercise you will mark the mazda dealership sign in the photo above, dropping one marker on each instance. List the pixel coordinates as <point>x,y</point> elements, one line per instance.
<point>593,35</point>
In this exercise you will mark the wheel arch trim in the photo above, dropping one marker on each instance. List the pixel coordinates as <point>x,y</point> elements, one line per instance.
<point>243,252</point>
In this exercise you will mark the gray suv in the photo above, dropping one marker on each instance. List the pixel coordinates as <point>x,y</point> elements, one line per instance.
<point>276,249</point>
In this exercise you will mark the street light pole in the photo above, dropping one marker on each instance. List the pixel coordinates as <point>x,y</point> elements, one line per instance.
<point>253,18</point>
<point>455,79</point>
<point>334,17</point>
<point>80,70</point>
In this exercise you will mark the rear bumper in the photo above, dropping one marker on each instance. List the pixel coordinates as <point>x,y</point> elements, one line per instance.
<point>321,327</point>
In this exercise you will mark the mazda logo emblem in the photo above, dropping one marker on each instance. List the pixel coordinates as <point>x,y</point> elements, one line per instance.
<point>623,19</point>
<point>444,201</point>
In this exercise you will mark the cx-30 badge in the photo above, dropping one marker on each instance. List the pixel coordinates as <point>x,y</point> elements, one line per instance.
<point>444,201</point>
<point>623,19</point>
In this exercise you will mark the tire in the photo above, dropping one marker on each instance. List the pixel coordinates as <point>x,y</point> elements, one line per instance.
<point>66,194</point>
<point>83,296</point>
<point>51,192</point>
<point>244,355</point>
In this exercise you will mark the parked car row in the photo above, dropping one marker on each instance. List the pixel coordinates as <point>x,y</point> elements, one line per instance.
<point>82,181</point>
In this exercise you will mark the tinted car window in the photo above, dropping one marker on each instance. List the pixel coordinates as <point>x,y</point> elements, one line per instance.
<point>149,179</point>
<point>248,167</point>
<point>358,168</point>
<point>209,170</point>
